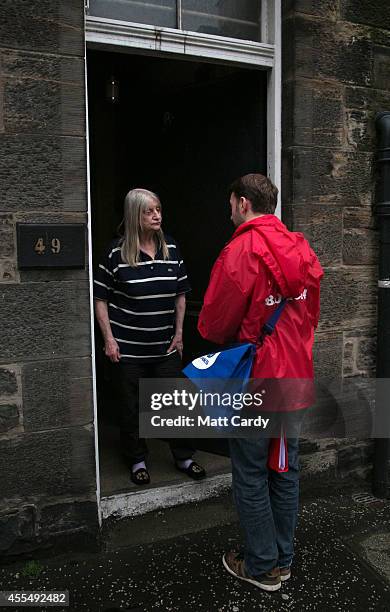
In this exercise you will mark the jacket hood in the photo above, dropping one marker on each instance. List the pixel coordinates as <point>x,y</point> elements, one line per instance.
<point>286,254</point>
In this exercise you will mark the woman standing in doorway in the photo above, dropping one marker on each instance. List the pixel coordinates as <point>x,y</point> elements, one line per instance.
<point>139,292</point>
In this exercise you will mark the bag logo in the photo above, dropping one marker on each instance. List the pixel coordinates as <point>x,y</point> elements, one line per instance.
<point>206,361</point>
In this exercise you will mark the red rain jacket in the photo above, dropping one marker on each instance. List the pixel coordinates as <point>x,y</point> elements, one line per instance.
<point>262,263</point>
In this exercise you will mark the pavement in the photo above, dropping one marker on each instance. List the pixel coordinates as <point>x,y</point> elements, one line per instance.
<point>171,561</point>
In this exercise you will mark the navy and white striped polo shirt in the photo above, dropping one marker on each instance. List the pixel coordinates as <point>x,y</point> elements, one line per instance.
<point>141,299</point>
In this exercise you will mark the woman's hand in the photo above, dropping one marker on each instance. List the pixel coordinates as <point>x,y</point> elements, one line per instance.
<point>177,343</point>
<point>111,350</point>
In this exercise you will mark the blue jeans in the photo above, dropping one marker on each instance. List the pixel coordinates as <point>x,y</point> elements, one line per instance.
<point>267,503</point>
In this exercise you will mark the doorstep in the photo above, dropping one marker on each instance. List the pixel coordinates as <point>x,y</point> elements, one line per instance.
<point>135,503</point>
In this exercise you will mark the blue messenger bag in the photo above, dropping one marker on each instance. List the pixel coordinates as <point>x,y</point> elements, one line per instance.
<point>229,370</point>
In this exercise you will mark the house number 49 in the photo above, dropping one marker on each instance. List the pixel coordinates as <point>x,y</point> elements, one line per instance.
<point>40,247</point>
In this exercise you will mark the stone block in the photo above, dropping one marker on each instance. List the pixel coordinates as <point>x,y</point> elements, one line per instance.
<point>313,114</point>
<point>39,173</point>
<point>321,176</point>
<point>1,101</point>
<point>359,354</point>
<point>8,271</point>
<point>349,354</point>
<point>360,130</point>
<point>323,50</point>
<point>7,236</point>
<point>322,226</point>
<point>48,464</point>
<point>308,447</point>
<point>366,355</point>
<point>370,12</point>
<point>17,529</point>
<point>9,417</point>
<point>44,94</point>
<point>353,458</point>
<point>360,238</point>
<point>289,48</point>
<point>381,74</point>
<point>52,68</point>
<point>370,100</point>
<point>362,106</point>
<point>379,37</point>
<point>287,209</point>
<point>360,247</point>
<point>49,320</point>
<point>328,356</point>
<point>8,381</point>
<point>47,26</point>
<point>57,394</point>
<point>55,216</point>
<point>317,8</point>
<point>68,517</point>
<point>348,299</point>
<point>320,465</point>
<point>359,217</point>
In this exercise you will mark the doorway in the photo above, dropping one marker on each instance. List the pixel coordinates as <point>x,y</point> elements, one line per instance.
<point>184,129</point>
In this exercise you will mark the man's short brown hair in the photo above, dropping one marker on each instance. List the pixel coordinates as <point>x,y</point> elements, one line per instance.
<point>259,190</point>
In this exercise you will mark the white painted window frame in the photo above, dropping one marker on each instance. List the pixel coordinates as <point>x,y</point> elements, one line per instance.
<point>158,40</point>
<point>114,35</point>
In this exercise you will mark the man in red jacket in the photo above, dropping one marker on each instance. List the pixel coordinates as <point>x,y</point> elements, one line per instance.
<point>261,264</point>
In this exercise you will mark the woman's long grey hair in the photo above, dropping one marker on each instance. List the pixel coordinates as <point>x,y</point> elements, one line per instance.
<point>136,202</point>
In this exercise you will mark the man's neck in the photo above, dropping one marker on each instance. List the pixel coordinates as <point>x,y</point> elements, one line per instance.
<point>251,215</point>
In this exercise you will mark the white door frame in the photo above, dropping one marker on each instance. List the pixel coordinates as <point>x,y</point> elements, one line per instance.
<point>121,36</point>
<point>91,301</point>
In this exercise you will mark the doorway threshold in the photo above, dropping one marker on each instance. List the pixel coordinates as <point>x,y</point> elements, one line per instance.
<point>135,503</point>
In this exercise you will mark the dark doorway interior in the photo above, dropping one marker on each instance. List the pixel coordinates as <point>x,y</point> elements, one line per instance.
<point>184,130</point>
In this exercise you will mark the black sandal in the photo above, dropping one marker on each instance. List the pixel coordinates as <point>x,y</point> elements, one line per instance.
<point>194,471</point>
<point>140,477</point>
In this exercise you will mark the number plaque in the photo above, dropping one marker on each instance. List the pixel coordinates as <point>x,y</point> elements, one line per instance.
<point>51,246</point>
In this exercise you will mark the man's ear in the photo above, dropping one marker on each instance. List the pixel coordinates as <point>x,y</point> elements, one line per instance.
<point>244,205</point>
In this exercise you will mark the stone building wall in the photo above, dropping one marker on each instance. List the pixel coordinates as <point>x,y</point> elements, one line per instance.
<point>47,465</point>
<point>336,77</point>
